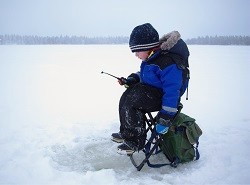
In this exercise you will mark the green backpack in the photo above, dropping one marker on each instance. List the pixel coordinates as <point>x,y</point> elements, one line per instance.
<point>180,143</point>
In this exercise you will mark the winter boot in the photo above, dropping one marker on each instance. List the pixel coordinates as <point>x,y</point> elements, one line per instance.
<point>125,149</point>
<point>116,137</point>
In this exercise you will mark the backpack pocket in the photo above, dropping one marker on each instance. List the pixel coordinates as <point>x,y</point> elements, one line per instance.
<point>193,132</point>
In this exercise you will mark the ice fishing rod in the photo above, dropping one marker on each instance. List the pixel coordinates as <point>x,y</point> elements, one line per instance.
<point>122,80</point>
<point>111,75</point>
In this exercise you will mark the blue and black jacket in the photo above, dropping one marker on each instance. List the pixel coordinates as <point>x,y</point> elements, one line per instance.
<point>167,69</point>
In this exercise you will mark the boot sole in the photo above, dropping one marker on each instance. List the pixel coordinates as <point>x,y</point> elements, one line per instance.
<point>125,152</point>
<point>117,140</point>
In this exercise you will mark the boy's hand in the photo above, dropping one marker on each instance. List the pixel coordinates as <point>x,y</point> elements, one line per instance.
<point>163,122</point>
<point>127,81</point>
<point>122,81</point>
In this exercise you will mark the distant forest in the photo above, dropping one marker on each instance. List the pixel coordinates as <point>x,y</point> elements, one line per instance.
<point>220,40</point>
<point>80,40</point>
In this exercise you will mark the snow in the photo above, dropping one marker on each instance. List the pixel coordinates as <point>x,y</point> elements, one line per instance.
<point>57,112</point>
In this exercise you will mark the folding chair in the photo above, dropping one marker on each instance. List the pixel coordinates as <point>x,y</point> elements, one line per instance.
<point>152,144</point>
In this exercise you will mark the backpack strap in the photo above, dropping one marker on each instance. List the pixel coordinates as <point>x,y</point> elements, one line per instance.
<point>197,154</point>
<point>183,65</point>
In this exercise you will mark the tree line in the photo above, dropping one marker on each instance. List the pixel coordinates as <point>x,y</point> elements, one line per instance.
<point>80,40</point>
<point>220,40</point>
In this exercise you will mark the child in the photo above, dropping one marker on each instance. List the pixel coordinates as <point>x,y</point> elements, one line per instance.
<point>158,86</point>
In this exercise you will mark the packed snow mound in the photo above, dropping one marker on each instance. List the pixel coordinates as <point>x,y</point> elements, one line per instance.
<point>87,155</point>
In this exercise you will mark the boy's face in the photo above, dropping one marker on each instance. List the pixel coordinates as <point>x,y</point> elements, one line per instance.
<point>143,55</point>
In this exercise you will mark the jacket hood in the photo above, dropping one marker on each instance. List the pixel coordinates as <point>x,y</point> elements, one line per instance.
<point>169,40</point>
<point>173,43</point>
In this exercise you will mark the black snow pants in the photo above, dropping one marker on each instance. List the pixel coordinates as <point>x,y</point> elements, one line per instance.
<point>134,103</point>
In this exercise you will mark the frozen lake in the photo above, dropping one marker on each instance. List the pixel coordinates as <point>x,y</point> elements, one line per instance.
<point>57,112</point>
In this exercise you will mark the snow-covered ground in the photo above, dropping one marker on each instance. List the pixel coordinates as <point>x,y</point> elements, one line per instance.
<point>57,112</point>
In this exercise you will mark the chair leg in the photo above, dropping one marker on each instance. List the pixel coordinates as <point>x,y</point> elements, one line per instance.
<point>146,159</point>
<point>150,123</point>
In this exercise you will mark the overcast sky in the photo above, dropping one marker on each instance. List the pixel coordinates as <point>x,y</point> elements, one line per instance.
<point>191,18</point>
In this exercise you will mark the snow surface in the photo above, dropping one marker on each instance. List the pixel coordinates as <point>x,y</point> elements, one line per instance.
<point>57,112</point>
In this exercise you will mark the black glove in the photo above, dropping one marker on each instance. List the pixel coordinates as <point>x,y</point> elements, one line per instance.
<point>122,81</point>
<point>131,80</point>
<point>163,122</point>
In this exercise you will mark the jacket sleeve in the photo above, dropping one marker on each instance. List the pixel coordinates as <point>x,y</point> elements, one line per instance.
<point>136,76</point>
<point>171,78</point>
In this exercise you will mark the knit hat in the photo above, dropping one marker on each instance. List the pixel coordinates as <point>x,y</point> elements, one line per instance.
<point>143,38</point>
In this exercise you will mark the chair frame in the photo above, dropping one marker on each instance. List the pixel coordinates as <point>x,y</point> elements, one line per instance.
<point>155,139</point>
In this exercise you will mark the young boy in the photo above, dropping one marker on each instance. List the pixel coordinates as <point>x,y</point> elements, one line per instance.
<point>159,85</point>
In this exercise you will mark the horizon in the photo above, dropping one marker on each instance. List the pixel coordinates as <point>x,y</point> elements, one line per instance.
<point>116,36</point>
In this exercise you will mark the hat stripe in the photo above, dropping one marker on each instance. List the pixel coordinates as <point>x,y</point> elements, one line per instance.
<point>142,48</point>
<point>145,45</point>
